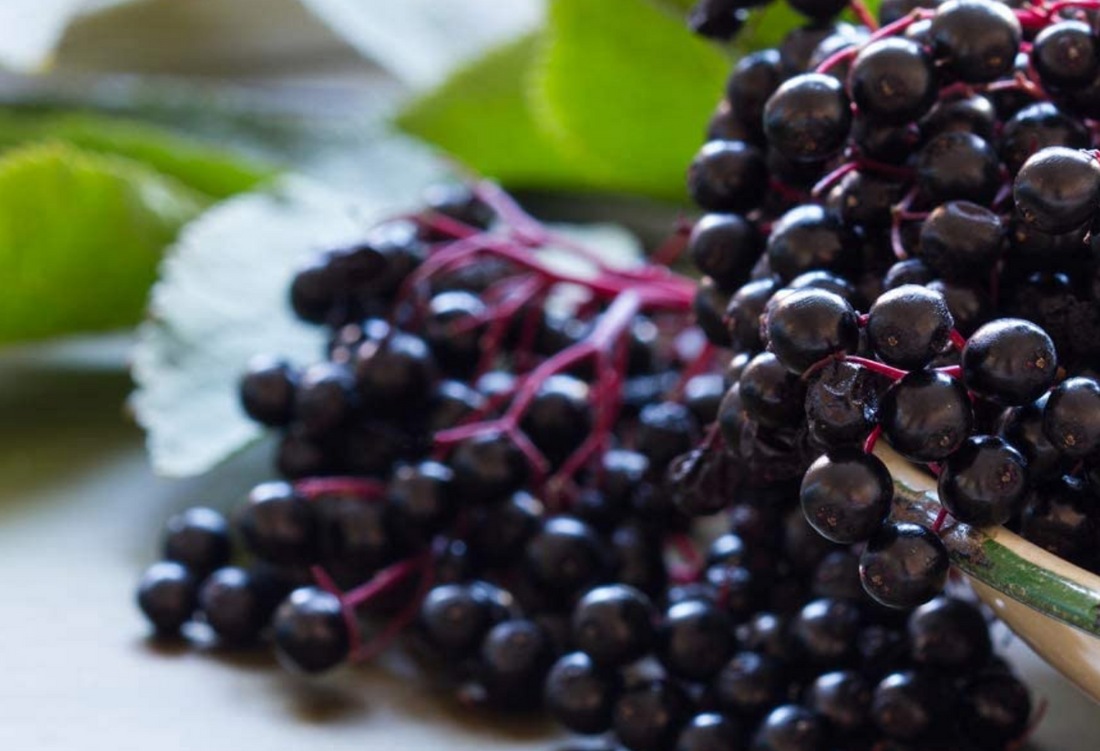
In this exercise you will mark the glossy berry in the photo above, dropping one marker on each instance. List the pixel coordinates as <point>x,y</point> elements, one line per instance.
<point>167,596</point>
<point>893,81</point>
<point>1010,361</point>
<point>267,391</point>
<point>613,624</point>
<point>961,240</point>
<point>754,79</point>
<point>843,698</point>
<point>515,657</point>
<point>770,393</point>
<point>949,635</point>
<point>716,19</point>
<point>488,468</point>
<point>904,565</point>
<point>566,556</point>
<point>749,683</point>
<point>808,325</point>
<point>456,617</point>
<point>926,415</point>
<point>725,247</point>
<point>1023,428</point>
<point>994,710</point>
<point>310,631</point>
<point>908,706</point>
<point>846,495</point>
<point>325,398</point>
<point>977,40</point>
<point>841,405</point>
<point>807,238</point>
<point>452,331</point>
<point>278,524</point>
<point>728,176</point>
<point>1058,189</point>
<point>808,117</point>
<point>792,728</point>
<point>395,374</point>
<point>580,695</point>
<point>984,482</point>
<point>958,166</point>
<point>743,313</point>
<point>559,417</point>
<point>909,326</point>
<point>1066,55</point>
<point>422,496</point>
<point>199,539</point>
<point>710,731</point>
<point>458,202</point>
<point>1036,127</point>
<point>695,640</point>
<point>1071,419</point>
<point>236,604</point>
<point>648,716</point>
<point>825,631</point>
<point>666,429</point>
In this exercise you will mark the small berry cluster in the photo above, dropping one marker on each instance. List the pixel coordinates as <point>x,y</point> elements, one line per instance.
<point>936,171</point>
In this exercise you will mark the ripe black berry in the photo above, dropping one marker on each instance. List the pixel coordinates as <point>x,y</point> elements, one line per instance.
<point>904,565</point>
<point>976,39</point>
<point>236,604</point>
<point>950,635</point>
<point>725,247</point>
<point>807,238</point>
<point>278,524</point>
<point>167,596</point>
<point>984,482</point>
<point>199,539</point>
<point>1071,419</point>
<point>808,325</point>
<point>649,716</point>
<point>613,625</point>
<point>958,166</point>
<point>961,240</point>
<point>843,698</point>
<point>695,640</point>
<point>770,393</point>
<point>1066,55</point>
<point>1058,189</point>
<point>1010,361</point>
<point>909,326</point>
<point>792,728</point>
<point>846,495</point>
<point>893,81</point>
<point>926,415</point>
<point>728,176</point>
<point>311,633</point>
<point>710,731</point>
<point>808,117</point>
<point>267,391</point>
<point>581,695</point>
<point>908,706</point>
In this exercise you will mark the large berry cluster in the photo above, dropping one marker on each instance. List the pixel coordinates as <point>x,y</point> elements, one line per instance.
<point>498,461</point>
<point>935,173</point>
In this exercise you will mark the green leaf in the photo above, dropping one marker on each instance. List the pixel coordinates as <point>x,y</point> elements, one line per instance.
<point>481,117</point>
<point>216,172</point>
<point>80,238</point>
<point>627,89</point>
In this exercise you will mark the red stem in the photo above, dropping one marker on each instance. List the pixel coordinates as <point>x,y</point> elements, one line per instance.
<point>958,340</point>
<point>878,367</point>
<point>374,647</point>
<point>357,487</point>
<point>941,517</point>
<point>872,440</point>
<point>865,16</point>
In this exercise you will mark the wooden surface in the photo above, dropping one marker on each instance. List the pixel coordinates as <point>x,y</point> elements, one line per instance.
<point>79,518</point>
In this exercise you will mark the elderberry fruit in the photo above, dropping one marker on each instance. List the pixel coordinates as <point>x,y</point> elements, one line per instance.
<point>977,40</point>
<point>648,716</point>
<point>580,695</point>
<point>749,683</point>
<point>278,524</point>
<point>985,482</point>
<point>893,81</point>
<point>1071,418</point>
<point>710,731</point>
<point>515,657</point>
<point>926,415</point>
<point>728,176</point>
<point>961,240</point>
<point>808,325</point>
<point>908,706</point>
<point>808,117</point>
<point>235,604</point>
<point>167,596</point>
<point>1058,189</point>
<point>949,635</point>
<point>613,625</point>
<point>791,727</point>
<point>267,391</point>
<point>846,495</point>
<point>994,710</point>
<point>1066,55</point>
<point>310,632</point>
<point>843,698</point>
<point>904,565</point>
<point>199,539</point>
<point>909,326</point>
<point>1009,361</point>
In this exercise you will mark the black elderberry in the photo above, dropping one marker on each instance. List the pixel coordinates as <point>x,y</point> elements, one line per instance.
<point>926,415</point>
<point>515,657</point>
<point>976,39</point>
<point>648,716</point>
<point>1071,418</point>
<point>743,313</point>
<point>581,695</point>
<point>807,238</point>
<point>710,731</point>
<point>841,405</point>
<point>893,80</point>
<point>950,635</point>
<point>808,117</point>
<point>1036,127</point>
<point>199,539</point>
<point>958,166</point>
<point>311,633</point>
<point>728,176</point>
<point>695,640</point>
<point>613,624</point>
<point>566,556</point>
<point>792,728</point>
<point>1066,55</point>
<point>808,325</point>
<point>770,393</point>
<point>1058,189</point>
<point>1010,361</point>
<point>488,468</point>
<point>904,565</point>
<point>846,495</point>
<point>167,596</point>
<point>909,706</point>
<point>235,604</point>
<point>984,482</point>
<point>278,524</point>
<point>961,240</point>
<point>267,391</point>
<point>843,698</point>
<point>725,247</point>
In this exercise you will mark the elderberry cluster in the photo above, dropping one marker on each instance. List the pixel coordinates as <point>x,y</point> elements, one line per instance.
<point>505,487</point>
<point>899,241</point>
